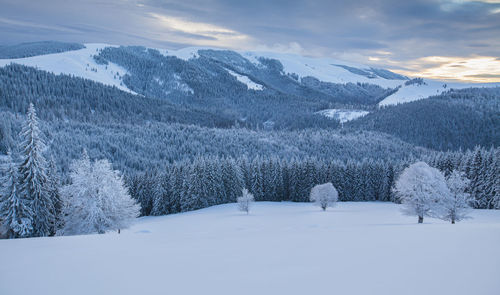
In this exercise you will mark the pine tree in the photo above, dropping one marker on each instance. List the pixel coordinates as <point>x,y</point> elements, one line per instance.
<point>477,179</point>
<point>196,195</point>
<point>15,209</point>
<point>256,180</point>
<point>33,175</point>
<point>55,196</point>
<point>494,178</point>
<point>160,196</point>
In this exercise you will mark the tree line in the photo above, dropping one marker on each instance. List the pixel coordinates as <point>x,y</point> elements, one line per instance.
<point>96,198</point>
<point>207,181</point>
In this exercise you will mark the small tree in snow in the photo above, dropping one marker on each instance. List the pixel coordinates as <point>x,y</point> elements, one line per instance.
<point>324,195</point>
<point>455,206</point>
<point>96,200</point>
<point>420,188</point>
<point>245,201</point>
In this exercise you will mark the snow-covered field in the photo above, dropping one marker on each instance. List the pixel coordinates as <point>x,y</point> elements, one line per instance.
<point>343,115</point>
<point>280,248</point>
<point>245,80</point>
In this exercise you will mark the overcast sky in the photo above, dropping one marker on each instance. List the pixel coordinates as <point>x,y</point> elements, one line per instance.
<point>446,39</point>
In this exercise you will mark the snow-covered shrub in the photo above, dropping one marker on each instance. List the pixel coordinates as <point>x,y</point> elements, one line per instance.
<point>245,201</point>
<point>456,205</point>
<point>420,189</point>
<point>96,200</point>
<point>324,195</point>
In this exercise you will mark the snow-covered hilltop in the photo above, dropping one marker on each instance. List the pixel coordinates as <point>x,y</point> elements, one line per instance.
<point>78,63</point>
<point>328,69</point>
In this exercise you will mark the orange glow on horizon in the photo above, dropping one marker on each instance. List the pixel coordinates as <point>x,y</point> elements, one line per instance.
<point>478,69</point>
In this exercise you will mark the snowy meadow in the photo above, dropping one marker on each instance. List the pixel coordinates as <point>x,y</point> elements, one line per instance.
<point>279,248</point>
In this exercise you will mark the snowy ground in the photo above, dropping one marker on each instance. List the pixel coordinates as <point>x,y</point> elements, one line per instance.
<point>343,115</point>
<point>280,248</point>
<point>245,80</point>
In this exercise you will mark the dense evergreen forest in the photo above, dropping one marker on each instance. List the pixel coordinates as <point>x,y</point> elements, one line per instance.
<point>208,181</point>
<point>456,119</point>
<point>36,48</point>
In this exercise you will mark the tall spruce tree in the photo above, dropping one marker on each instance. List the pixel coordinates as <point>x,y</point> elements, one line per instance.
<point>33,176</point>
<point>15,208</point>
<point>55,196</point>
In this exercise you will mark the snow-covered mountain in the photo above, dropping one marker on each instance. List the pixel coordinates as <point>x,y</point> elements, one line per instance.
<point>242,65</point>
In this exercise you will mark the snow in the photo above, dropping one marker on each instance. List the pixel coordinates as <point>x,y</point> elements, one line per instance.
<point>323,69</point>
<point>245,80</point>
<point>78,63</point>
<point>279,248</point>
<point>181,86</point>
<point>343,115</point>
<point>186,53</point>
<point>430,88</point>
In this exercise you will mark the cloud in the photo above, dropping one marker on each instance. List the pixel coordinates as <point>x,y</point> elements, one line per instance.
<point>357,30</point>
<point>292,48</point>
<point>197,33</point>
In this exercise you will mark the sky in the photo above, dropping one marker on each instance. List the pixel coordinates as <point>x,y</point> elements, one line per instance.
<point>453,40</point>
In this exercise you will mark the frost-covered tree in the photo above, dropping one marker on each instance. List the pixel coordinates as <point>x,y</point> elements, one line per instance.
<point>15,208</point>
<point>324,195</point>
<point>456,205</point>
<point>96,200</point>
<point>53,188</point>
<point>33,176</point>
<point>420,188</point>
<point>245,201</point>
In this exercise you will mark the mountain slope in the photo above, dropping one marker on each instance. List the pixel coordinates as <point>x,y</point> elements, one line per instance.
<point>418,89</point>
<point>79,63</point>
<point>453,120</point>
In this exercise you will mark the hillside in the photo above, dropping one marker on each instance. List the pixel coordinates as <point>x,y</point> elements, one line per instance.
<point>450,121</point>
<point>290,248</point>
